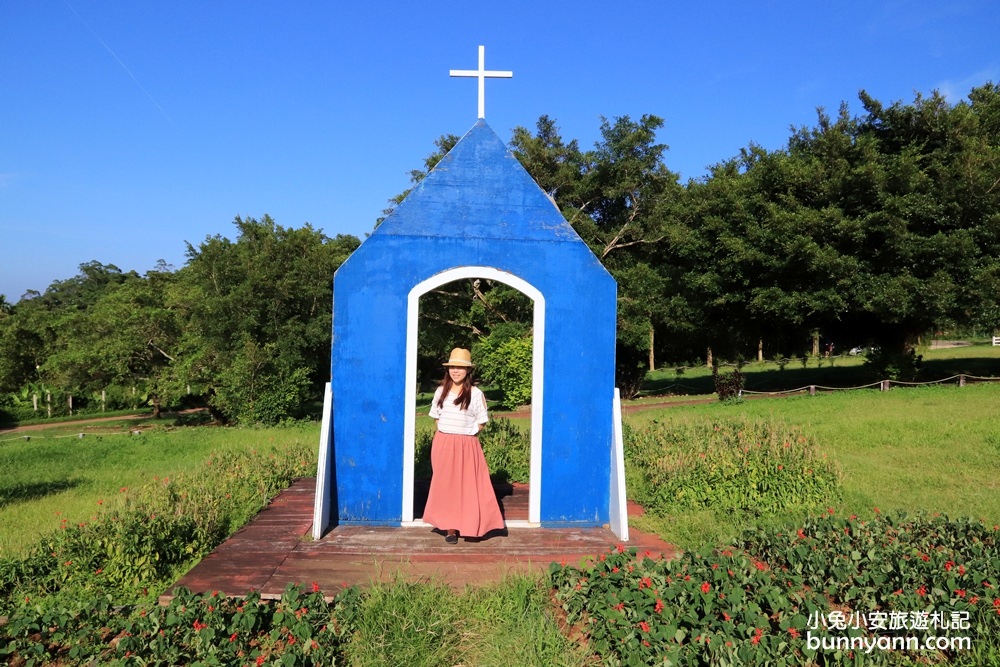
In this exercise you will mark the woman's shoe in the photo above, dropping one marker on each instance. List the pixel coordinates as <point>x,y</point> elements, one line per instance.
<point>451,538</point>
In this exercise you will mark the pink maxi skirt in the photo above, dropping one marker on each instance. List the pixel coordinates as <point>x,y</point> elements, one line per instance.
<point>461,496</point>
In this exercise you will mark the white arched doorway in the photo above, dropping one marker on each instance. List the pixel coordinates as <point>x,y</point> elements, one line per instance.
<point>537,366</point>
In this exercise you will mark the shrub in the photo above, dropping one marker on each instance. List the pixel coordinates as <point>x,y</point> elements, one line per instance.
<point>728,385</point>
<point>699,609</point>
<point>507,449</point>
<point>631,365</point>
<point>728,466</point>
<point>754,603</point>
<point>139,542</point>
<point>885,365</point>
<point>302,628</point>
<point>506,364</point>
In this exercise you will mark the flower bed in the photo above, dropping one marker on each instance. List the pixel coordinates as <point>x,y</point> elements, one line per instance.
<point>759,602</point>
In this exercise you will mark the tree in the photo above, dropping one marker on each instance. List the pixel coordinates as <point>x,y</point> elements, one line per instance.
<point>257,317</point>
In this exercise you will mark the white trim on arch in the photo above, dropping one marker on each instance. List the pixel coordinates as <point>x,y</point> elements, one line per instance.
<point>537,366</point>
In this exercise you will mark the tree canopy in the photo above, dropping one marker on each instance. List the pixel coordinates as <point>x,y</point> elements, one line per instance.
<point>870,228</point>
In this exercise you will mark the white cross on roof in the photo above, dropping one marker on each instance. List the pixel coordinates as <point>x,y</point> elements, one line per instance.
<point>481,74</point>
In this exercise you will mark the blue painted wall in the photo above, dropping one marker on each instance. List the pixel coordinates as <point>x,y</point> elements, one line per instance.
<point>478,207</point>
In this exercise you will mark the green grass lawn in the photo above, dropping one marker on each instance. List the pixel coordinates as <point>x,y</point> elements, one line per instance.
<point>934,448</point>
<point>55,474</point>
<point>979,359</point>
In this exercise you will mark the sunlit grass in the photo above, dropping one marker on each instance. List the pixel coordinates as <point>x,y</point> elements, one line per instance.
<point>56,475</point>
<point>509,624</point>
<point>927,448</point>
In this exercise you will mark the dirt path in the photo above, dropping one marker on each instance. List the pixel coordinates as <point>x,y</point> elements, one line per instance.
<point>92,420</point>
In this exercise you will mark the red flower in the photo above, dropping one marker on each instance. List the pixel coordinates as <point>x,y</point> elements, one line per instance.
<point>315,587</point>
<point>924,557</point>
<point>198,626</point>
<point>233,637</point>
<point>260,660</point>
<point>960,592</point>
<point>645,582</point>
<point>706,587</point>
<point>620,548</point>
<point>659,606</point>
<point>726,616</point>
<point>644,626</point>
<point>948,564</point>
<point>922,591</point>
<point>793,632</point>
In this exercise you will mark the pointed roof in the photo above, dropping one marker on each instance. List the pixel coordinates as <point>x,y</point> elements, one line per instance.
<point>479,190</point>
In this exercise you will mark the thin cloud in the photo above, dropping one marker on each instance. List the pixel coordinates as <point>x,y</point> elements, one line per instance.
<point>956,91</point>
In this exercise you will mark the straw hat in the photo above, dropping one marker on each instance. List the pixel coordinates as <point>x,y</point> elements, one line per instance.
<point>460,357</point>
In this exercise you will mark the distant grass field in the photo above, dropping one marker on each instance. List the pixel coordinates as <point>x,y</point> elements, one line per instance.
<point>978,359</point>
<point>934,448</point>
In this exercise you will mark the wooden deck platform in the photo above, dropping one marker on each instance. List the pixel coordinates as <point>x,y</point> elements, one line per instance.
<point>276,549</point>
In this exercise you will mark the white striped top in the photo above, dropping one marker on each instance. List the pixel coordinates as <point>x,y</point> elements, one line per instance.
<point>452,418</point>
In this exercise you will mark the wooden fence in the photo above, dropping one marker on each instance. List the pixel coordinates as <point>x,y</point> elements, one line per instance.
<point>883,385</point>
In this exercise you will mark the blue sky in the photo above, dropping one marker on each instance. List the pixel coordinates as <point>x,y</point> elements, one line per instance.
<point>130,128</point>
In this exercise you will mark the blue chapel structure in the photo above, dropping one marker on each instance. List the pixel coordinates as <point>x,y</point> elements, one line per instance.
<point>477,214</point>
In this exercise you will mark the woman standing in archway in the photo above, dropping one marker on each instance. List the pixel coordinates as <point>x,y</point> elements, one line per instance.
<point>461,500</point>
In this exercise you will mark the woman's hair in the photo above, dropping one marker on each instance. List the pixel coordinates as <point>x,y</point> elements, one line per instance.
<point>464,397</point>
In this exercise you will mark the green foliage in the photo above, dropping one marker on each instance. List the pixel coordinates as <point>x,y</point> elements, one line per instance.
<point>423,439</point>
<point>729,466</point>
<point>255,389</point>
<point>507,449</point>
<point>302,628</point>
<point>631,364</point>
<point>138,542</point>
<point>894,365</point>
<point>505,362</point>
<point>505,625</point>
<point>752,604</point>
<point>244,326</point>
<point>391,624</point>
<point>728,386</point>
